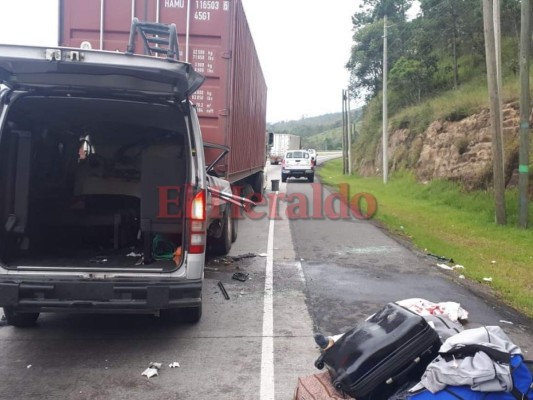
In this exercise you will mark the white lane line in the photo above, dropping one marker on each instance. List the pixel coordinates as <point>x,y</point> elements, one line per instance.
<point>267,351</point>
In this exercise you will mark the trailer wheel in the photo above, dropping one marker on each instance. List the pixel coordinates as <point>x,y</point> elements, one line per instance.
<point>234,229</point>
<point>19,319</point>
<point>257,186</point>
<point>221,246</point>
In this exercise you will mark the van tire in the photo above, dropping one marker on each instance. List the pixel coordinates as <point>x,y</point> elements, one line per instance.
<point>221,246</point>
<point>311,178</point>
<point>191,315</point>
<point>20,319</point>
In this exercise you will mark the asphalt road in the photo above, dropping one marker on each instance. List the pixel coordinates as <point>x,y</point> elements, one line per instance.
<point>308,275</point>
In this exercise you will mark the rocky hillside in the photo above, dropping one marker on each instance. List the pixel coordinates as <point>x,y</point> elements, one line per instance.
<point>458,150</point>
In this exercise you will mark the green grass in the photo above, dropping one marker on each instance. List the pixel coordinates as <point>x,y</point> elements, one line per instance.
<point>440,218</point>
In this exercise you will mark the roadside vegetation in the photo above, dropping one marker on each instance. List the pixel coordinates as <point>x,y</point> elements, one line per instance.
<point>440,218</point>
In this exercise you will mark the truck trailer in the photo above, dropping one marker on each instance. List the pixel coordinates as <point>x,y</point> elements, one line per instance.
<point>283,142</point>
<point>213,36</point>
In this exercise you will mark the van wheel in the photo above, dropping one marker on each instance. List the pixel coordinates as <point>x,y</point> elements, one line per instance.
<point>20,319</point>
<point>221,246</point>
<point>311,178</point>
<point>191,315</point>
<point>283,178</point>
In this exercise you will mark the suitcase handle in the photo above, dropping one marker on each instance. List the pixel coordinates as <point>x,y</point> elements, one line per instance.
<point>402,374</point>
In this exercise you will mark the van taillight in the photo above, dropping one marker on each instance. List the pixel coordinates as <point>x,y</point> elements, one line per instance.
<point>197,218</point>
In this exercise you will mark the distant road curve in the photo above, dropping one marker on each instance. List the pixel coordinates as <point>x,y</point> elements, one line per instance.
<point>323,156</point>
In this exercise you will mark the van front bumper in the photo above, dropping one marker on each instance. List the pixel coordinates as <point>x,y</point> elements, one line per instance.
<point>98,296</point>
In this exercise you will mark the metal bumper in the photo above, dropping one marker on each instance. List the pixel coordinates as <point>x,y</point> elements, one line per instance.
<point>134,296</point>
<point>297,172</point>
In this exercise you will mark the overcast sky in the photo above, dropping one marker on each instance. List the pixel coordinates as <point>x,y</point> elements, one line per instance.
<point>303,46</point>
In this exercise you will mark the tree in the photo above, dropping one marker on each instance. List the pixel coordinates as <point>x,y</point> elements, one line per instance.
<point>366,60</point>
<point>410,77</point>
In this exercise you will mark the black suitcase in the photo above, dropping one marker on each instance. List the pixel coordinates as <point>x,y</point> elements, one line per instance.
<point>373,360</point>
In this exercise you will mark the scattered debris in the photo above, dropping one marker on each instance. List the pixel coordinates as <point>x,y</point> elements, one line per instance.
<point>29,366</point>
<point>134,254</point>
<point>175,364</point>
<point>240,276</point>
<point>98,260</point>
<point>458,266</point>
<point>262,254</point>
<point>140,261</point>
<point>210,269</point>
<point>444,266</point>
<point>489,279</point>
<point>223,290</point>
<point>506,322</point>
<point>493,262</point>
<point>152,370</point>
<point>441,258</point>
<point>461,277</point>
<point>241,256</point>
<point>224,260</point>
<point>423,307</point>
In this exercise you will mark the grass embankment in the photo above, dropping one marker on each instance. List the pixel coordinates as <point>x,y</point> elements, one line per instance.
<point>442,219</point>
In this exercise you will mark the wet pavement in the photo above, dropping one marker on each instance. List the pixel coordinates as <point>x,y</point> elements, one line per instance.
<point>326,276</point>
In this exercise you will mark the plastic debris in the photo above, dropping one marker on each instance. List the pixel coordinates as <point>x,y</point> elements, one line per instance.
<point>98,260</point>
<point>241,256</point>
<point>262,254</point>
<point>240,276</point>
<point>506,322</point>
<point>175,364</point>
<point>493,262</point>
<point>489,279</point>
<point>461,277</point>
<point>134,254</point>
<point>152,370</point>
<point>422,307</point>
<point>444,266</point>
<point>441,258</point>
<point>210,269</point>
<point>223,290</point>
<point>29,366</point>
<point>458,266</point>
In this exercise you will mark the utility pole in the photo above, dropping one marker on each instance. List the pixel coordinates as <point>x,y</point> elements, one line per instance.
<point>344,169</point>
<point>495,113</point>
<point>385,137</point>
<point>523,157</point>
<point>496,20</point>
<point>349,134</point>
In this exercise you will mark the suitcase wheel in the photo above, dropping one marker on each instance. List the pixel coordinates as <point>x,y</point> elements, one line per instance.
<point>319,363</point>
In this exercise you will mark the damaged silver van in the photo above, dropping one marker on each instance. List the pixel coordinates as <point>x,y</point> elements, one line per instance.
<point>102,184</point>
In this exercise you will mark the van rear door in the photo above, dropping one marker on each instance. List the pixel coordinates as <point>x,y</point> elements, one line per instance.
<point>33,68</point>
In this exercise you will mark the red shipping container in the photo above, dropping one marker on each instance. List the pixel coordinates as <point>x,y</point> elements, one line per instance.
<point>214,36</point>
